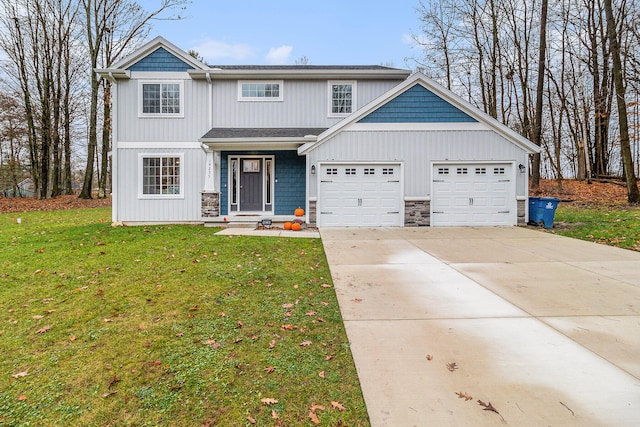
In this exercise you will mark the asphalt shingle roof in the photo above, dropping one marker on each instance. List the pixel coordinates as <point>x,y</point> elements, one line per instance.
<point>245,133</point>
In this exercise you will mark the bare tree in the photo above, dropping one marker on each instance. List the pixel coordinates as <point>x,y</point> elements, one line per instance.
<point>112,27</point>
<point>633,195</point>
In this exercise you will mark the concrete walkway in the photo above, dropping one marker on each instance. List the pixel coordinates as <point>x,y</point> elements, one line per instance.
<point>545,328</point>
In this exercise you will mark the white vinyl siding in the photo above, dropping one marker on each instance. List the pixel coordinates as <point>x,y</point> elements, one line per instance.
<point>416,149</point>
<point>305,104</point>
<point>189,126</point>
<point>131,208</point>
<point>260,90</point>
<point>161,99</point>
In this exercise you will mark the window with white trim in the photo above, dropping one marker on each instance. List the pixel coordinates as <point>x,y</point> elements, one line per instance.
<point>161,99</point>
<point>342,97</point>
<point>161,176</point>
<point>260,90</point>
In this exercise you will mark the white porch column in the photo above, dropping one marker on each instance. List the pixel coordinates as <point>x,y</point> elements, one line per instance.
<point>211,171</point>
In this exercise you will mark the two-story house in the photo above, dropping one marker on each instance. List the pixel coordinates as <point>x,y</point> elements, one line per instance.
<point>352,145</point>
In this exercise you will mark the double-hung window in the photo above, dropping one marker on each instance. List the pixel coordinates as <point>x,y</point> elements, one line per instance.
<point>161,176</point>
<point>342,98</point>
<point>260,90</point>
<point>161,99</point>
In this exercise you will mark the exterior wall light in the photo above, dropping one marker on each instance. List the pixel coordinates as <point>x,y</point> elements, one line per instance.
<point>522,168</point>
<point>313,169</point>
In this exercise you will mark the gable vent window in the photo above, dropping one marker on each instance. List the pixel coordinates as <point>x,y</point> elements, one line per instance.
<point>260,90</point>
<point>161,99</point>
<point>481,171</point>
<point>462,171</point>
<point>369,171</point>
<point>443,171</point>
<point>350,171</point>
<point>498,171</point>
<point>387,171</point>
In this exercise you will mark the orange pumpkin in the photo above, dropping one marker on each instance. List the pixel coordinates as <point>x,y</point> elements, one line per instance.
<point>287,225</point>
<point>298,212</point>
<point>295,226</point>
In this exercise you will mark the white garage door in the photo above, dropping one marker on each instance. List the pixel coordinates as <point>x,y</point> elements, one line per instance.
<point>473,194</point>
<point>359,195</point>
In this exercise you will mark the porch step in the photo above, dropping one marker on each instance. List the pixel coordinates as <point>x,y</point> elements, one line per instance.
<point>249,221</point>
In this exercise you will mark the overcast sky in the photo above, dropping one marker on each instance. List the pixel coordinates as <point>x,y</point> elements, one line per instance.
<point>277,32</point>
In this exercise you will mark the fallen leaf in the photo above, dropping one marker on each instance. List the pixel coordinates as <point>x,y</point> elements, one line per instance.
<point>43,329</point>
<point>287,305</point>
<point>463,395</point>
<point>269,400</point>
<point>324,303</point>
<point>357,300</point>
<point>269,369</point>
<point>251,419</point>
<point>20,374</point>
<point>72,338</point>
<point>111,393</point>
<point>489,407</point>
<point>429,357</point>
<point>337,405</point>
<point>310,313</point>
<point>305,343</point>
<point>38,316</point>
<point>452,366</point>
<point>325,285</point>
<point>22,397</point>
<point>329,357</point>
<point>315,408</point>
<point>274,414</point>
<point>321,374</point>
<point>314,418</point>
<point>240,324</point>
<point>272,344</point>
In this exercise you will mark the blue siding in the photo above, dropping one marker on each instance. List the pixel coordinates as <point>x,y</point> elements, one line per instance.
<point>160,60</point>
<point>289,171</point>
<point>417,105</point>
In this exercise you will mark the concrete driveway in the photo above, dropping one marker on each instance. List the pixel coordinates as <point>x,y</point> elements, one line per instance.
<point>545,328</point>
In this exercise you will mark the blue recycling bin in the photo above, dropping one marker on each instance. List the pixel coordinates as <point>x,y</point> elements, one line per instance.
<point>542,210</point>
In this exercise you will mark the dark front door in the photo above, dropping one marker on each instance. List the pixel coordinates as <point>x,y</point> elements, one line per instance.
<point>251,171</point>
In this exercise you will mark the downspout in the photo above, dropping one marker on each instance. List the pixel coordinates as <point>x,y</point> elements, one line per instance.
<point>114,149</point>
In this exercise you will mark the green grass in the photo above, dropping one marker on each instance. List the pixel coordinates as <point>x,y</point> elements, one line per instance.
<point>167,325</point>
<point>614,225</point>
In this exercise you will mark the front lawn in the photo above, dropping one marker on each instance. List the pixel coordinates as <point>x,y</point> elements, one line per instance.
<point>614,225</point>
<point>167,325</point>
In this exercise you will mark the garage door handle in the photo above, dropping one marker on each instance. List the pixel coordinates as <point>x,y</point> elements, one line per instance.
<point>326,213</point>
<point>396,212</point>
<point>504,211</point>
<point>326,181</point>
<point>397,180</point>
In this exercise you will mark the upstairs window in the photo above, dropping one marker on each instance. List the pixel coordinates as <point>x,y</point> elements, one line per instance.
<point>161,99</point>
<point>342,97</point>
<point>260,90</point>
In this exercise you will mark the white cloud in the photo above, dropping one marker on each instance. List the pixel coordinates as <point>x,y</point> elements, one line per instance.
<point>212,50</point>
<point>279,55</point>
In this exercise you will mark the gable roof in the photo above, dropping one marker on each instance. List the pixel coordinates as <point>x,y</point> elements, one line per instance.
<point>158,47</point>
<point>434,88</point>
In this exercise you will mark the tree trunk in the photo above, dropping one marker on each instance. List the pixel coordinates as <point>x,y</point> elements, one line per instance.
<point>633,195</point>
<point>106,146</point>
<point>537,127</point>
